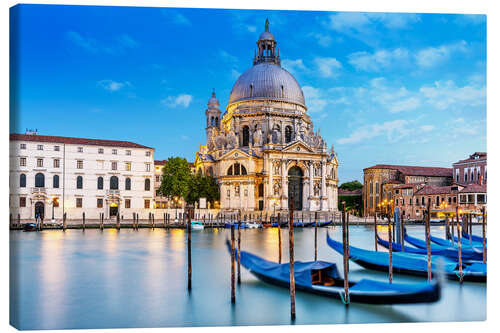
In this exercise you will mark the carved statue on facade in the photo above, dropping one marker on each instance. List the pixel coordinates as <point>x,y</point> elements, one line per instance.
<point>276,136</point>
<point>277,168</point>
<point>237,190</point>
<point>257,137</point>
<point>276,188</point>
<point>231,139</point>
<point>316,188</point>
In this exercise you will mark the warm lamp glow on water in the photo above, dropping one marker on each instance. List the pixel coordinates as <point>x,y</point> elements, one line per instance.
<point>127,278</point>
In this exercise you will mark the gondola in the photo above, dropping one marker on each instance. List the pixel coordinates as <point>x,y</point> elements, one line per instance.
<point>29,227</point>
<point>410,263</point>
<point>325,224</point>
<point>323,278</point>
<point>468,253</point>
<point>447,242</point>
<point>445,252</point>
<point>242,226</point>
<point>475,238</point>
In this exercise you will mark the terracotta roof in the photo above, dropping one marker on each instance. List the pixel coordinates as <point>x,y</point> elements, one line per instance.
<point>162,162</point>
<point>481,157</point>
<point>474,188</point>
<point>392,181</point>
<point>416,170</point>
<point>347,192</point>
<point>431,189</point>
<point>77,141</point>
<point>406,186</point>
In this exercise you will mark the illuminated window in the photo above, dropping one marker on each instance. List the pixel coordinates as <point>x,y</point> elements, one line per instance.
<point>99,202</point>
<point>79,202</point>
<point>79,164</point>
<point>128,166</point>
<point>22,202</point>
<point>22,161</point>
<point>146,203</point>
<point>127,203</point>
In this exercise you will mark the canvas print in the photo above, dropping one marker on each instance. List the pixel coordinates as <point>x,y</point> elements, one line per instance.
<point>179,167</point>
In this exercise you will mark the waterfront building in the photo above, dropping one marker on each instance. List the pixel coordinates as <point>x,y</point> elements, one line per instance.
<point>263,150</point>
<point>381,182</point>
<point>52,175</point>
<point>472,170</point>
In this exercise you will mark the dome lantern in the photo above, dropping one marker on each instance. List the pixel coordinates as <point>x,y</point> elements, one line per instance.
<point>266,51</point>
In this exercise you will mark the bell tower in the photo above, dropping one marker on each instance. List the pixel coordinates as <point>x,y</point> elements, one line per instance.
<point>213,115</point>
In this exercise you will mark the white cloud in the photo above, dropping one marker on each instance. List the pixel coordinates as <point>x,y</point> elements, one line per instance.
<point>328,67</point>
<point>252,28</point>
<point>408,104</point>
<point>393,130</point>
<point>378,60</point>
<point>119,46</point>
<point>432,56</point>
<point>314,99</point>
<point>235,74</point>
<point>427,128</point>
<point>86,43</point>
<point>323,40</point>
<point>227,56</point>
<point>176,17</point>
<point>112,86</point>
<point>182,100</point>
<point>358,22</point>
<point>127,41</point>
<point>395,20</point>
<point>293,66</point>
<point>444,94</point>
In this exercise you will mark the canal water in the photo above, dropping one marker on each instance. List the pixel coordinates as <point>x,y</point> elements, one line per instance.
<point>127,278</point>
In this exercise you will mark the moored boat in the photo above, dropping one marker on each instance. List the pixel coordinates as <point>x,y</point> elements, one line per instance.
<point>410,263</point>
<point>323,278</point>
<point>29,227</point>
<point>197,225</point>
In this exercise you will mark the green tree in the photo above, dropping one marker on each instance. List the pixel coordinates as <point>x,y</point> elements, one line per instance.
<point>351,186</point>
<point>203,187</point>
<point>176,178</point>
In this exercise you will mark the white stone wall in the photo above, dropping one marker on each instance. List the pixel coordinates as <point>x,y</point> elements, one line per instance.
<point>94,165</point>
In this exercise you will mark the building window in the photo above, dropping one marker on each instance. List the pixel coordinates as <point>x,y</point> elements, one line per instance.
<point>228,193</point>
<point>481,198</point>
<point>113,165</point>
<point>79,164</point>
<point>157,178</point>
<point>472,176</point>
<point>128,152</point>
<point>449,200</point>
<point>22,161</point>
<point>288,134</point>
<point>371,188</point>
<point>148,153</point>
<point>146,203</point>
<point>55,202</point>
<point>100,151</point>
<point>113,183</point>
<point>55,181</point>
<point>127,203</point>
<point>114,152</point>
<point>246,136</point>
<point>80,149</point>
<point>458,179</point>
<point>56,163</point>
<point>261,190</point>
<point>416,201</point>
<point>79,202</point>
<point>79,182</point>
<point>455,200</point>
<point>100,183</point>
<point>127,184</point>
<point>39,162</point>
<point>465,177</point>
<point>99,202</point>
<point>56,148</point>
<point>230,171</point>
<point>402,202</point>
<point>147,184</point>
<point>39,180</point>
<point>22,180</point>
<point>411,204</point>
<point>148,167</point>
<point>22,202</point>
<point>128,166</point>
<point>39,147</point>
<point>397,202</point>
<point>23,146</point>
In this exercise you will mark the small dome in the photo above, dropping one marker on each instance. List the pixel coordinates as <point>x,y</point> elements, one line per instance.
<point>267,80</point>
<point>213,101</point>
<point>266,35</point>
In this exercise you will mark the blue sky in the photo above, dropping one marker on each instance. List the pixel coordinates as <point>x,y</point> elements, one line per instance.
<point>382,87</point>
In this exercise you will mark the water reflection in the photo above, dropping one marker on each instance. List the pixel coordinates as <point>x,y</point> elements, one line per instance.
<point>111,279</point>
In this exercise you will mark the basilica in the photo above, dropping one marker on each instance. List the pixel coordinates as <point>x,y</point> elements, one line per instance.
<point>263,149</point>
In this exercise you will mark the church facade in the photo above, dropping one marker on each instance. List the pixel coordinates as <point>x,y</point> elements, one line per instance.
<point>263,149</point>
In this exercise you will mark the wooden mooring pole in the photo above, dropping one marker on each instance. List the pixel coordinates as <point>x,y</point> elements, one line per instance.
<point>375,234</point>
<point>118,221</point>
<point>279,238</point>
<point>64,222</point>
<point>292,264</point>
<point>459,234</point>
<point>189,248</point>
<point>428,240</point>
<point>101,222</point>
<point>239,248</point>
<point>453,230</point>
<point>484,235</point>
<point>402,231</point>
<point>389,233</point>
<point>83,221</point>
<point>470,228</point>
<point>233,293</point>
<point>315,236</point>
<point>18,219</point>
<point>345,241</point>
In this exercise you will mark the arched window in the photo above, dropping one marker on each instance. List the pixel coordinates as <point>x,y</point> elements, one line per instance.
<point>261,190</point>
<point>212,121</point>
<point>39,180</point>
<point>79,182</point>
<point>127,184</point>
<point>100,183</point>
<point>243,170</point>
<point>230,171</point>
<point>288,134</point>
<point>236,169</point>
<point>55,181</point>
<point>113,183</point>
<point>246,136</point>
<point>216,121</point>
<point>147,184</point>
<point>22,180</point>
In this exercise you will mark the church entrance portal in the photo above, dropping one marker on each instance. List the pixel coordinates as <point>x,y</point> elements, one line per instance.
<point>39,210</point>
<point>295,187</point>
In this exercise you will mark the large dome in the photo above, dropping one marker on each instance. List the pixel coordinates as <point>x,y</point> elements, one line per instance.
<point>267,80</point>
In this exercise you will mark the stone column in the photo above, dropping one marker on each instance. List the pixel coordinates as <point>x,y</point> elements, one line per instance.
<point>271,171</point>
<point>323,186</point>
<point>311,184</point>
